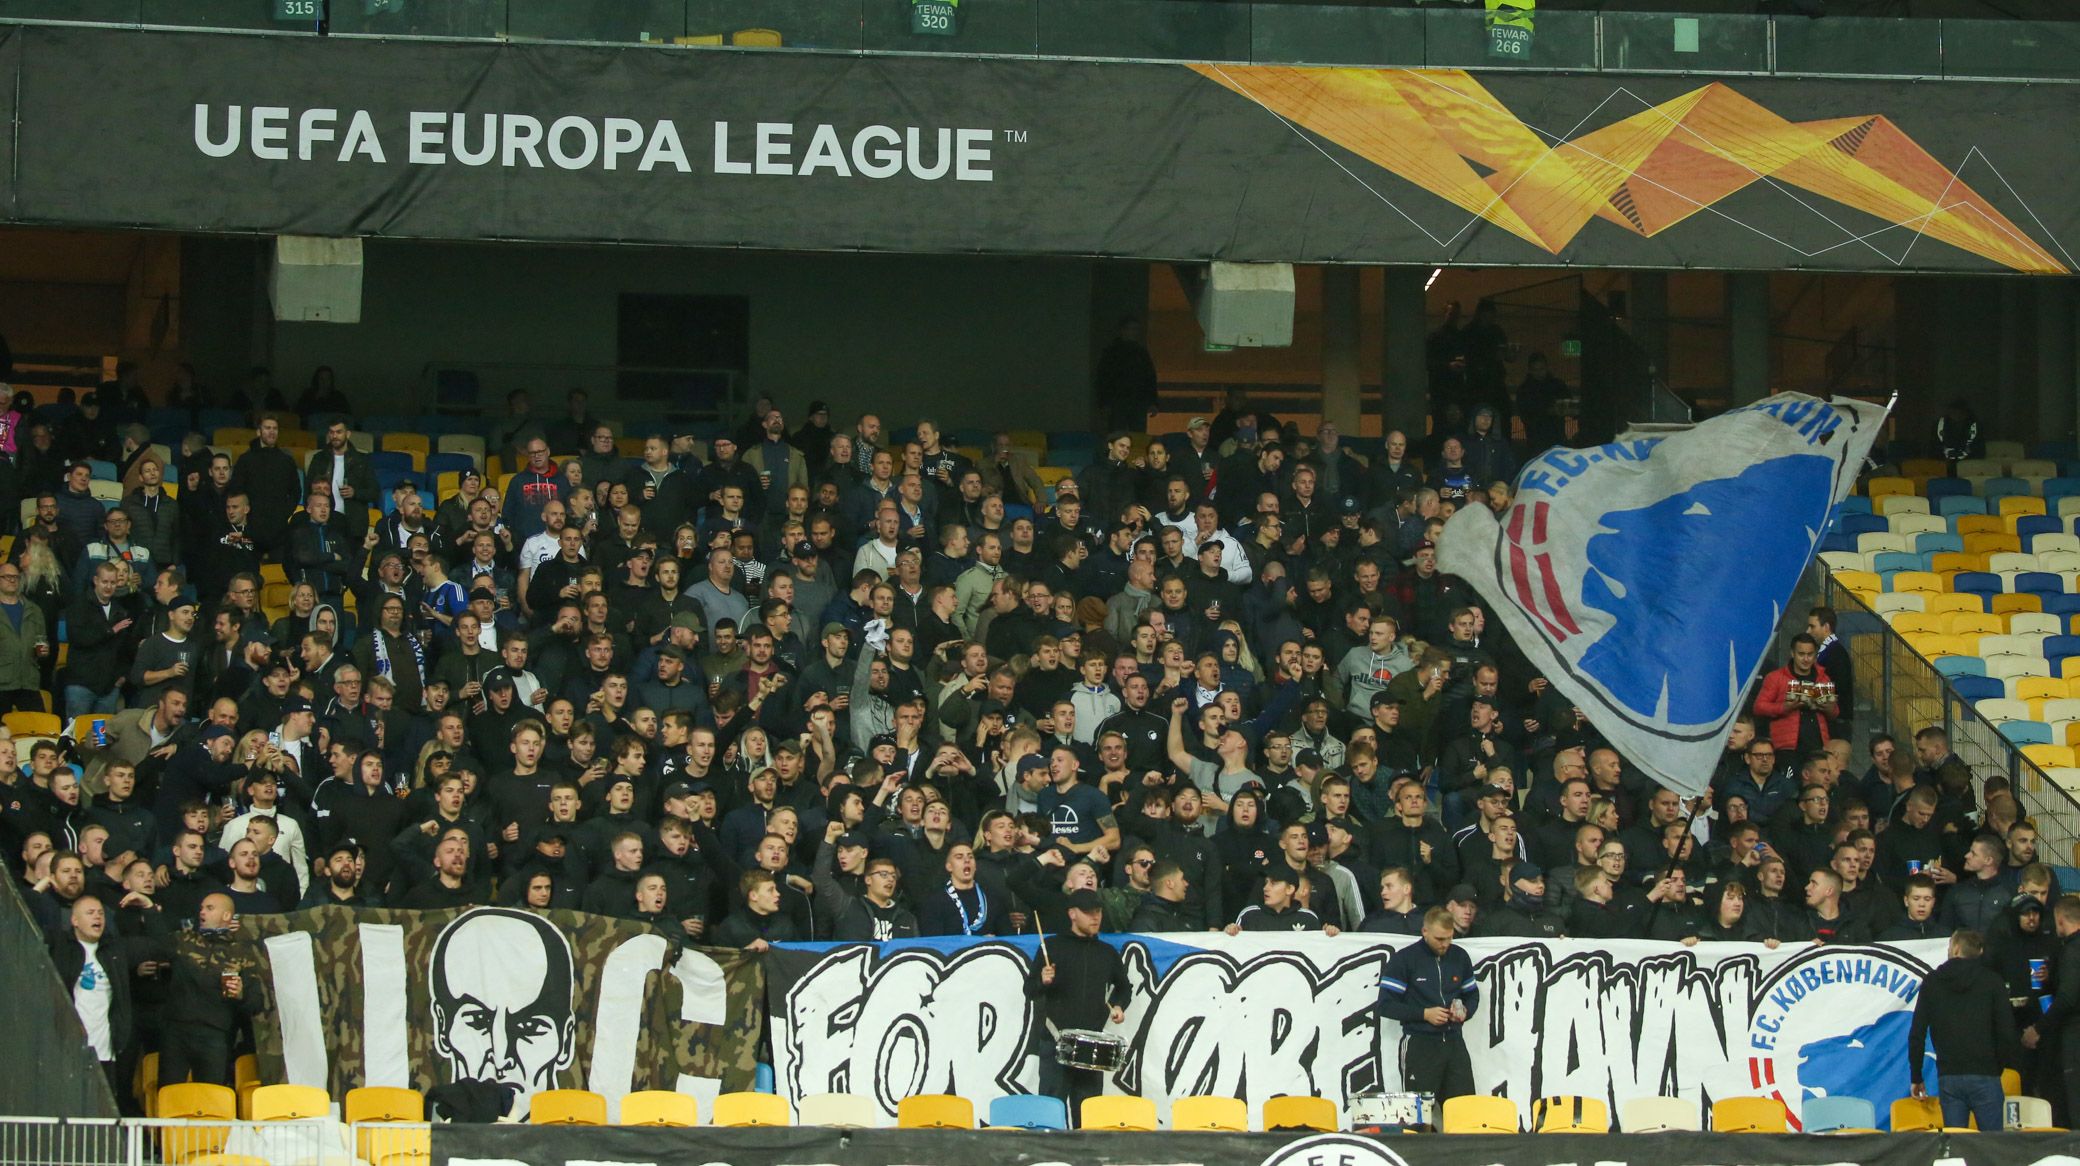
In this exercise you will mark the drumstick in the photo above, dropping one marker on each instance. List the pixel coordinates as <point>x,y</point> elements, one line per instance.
<point>1042,933</point>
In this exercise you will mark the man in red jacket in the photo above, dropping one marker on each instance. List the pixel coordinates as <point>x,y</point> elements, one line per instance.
<point>1798,700</point>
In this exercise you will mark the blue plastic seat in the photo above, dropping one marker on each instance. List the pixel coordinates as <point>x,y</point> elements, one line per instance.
<point>1886,562</point>
<point>2056,648</point>
<point>1978,688</point>
<point>1845,542</point>
<point>1976,583</point>
<point>2026,732</point>
<point>391,460</point>
<point>1956,666</point>
<point>1821,1115</point>
<point>2056,488</point>
<point>2029,526</point>
<point>211,420</point>
<point>1945,489</point>
<point>2004,488</point>
<point>105,471</point>
<point>1934,543</point>
<point>2039,583</point>
<point>448,463</point>
<point>1027,1111</point>
<point>1855,524</point>
<point>1854,504</point>
<point>1956,504</point>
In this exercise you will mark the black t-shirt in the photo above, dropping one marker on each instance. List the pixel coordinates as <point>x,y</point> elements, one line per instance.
<point>1076,815</point>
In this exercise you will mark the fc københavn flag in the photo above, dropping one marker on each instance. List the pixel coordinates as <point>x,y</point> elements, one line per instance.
<point>1645,578</point>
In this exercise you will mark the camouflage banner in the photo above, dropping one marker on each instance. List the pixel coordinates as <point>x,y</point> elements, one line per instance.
<point>532,1000</point>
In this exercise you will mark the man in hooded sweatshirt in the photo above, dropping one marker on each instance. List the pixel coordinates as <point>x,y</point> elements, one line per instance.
<point>1964,1007</point>
<point>1370,666</point>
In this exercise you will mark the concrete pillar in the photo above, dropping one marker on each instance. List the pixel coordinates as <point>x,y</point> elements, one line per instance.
<point>1648,305</point>
<point>1405,385</point>
<point>1341,377</point>
<point>2055,358</point>
<point>1747,334</point>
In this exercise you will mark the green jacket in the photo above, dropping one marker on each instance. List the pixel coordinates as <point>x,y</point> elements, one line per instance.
<point>18,663</point>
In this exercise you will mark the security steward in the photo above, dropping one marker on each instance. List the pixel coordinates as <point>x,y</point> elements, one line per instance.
<point>1429,987</point>
<point>1079,983</point>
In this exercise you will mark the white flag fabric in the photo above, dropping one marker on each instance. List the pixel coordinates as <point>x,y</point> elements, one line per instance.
<point>1645,578</point>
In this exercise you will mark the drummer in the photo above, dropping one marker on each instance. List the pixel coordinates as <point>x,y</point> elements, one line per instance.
<point>1079,983</point>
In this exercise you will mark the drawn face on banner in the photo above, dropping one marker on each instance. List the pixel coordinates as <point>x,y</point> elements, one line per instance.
<point>501,987</point>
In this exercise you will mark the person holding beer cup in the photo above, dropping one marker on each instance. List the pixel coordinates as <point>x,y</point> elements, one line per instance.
<point>212,995</point>
<point>1798,701</point>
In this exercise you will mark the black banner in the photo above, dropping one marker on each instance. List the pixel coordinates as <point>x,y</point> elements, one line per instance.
<point>453,1145</point>
<point>333,136</point>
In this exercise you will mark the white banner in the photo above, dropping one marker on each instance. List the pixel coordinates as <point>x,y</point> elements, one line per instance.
<point>1644,578</point>
<point>1255,1016</point>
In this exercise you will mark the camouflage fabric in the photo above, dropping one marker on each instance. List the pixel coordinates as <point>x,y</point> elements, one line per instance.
<point>665,1046</point>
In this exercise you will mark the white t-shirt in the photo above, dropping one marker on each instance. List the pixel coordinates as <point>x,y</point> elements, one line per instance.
<point>92,997</point>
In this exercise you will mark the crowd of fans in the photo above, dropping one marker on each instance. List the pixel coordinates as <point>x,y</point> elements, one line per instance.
<point>811,681</point>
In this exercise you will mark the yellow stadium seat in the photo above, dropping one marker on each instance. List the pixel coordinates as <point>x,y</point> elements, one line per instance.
<point>1749,1115</point>
<point>710,39</point>
<point>2041,688</point>
<point>2011,1083</point>
<point>145,1085</point>
<point>411,443</point>
<point>1919,581</point>
<point>404,1158</point>
<point>629,446</point>
<point>1968,524</point>
<point>447,484</point>
<point>1879,487</point>
<point>234,439</point>
<point>1949,602</point>
<point>368,1107</point>
<point>245,1078</point>
<point>1919,623</point>
<point>465,443</point>
<point>1991,543</point>
<point>1949,562</point>
<point>1293,1112</point>
<point>935,1111</point>
<point>1118,1113</point>
<point>290,1102</point>
<point>2016,505</point>
<point>1210,1115</point>
<point>1910,1114</point>
<point>195,1101</point>
<point>755,38</point>
<point>1570,1115</point>
<point>1924,467</point>
<point>752,1109</point>
<point>2051,756</point>
<point>567,1107</point>
<point>2012,603</point>
<point>1478,1113</point>
<point>1972,623</point>
<point>660,1107</point>
<point>33,724</point>
<point>1860,580</point>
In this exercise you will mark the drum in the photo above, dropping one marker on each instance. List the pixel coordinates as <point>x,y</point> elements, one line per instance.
<point>1387,1112</point>
<point>1080,1048</point>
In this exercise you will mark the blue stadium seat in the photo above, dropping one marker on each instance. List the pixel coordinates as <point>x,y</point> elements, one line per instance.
<point>1821,1115</point>
<point>1029,1112</point>
<point>1855,524</point>
<point>2029,526</point>
<point>1978,688</point>
<point>1955,666</point>
<point>2039,583</point>
<point>2062,606</point>
<point>2057,648</point>
<point>1886,562</point>
<point>2004,488</point>
<point>447,463</point>
<point>2056,488</point>
<point>106,471</point>
<point>390,460</point>
<point>211,420</point>
<point>1015,510</point>
<point>381,423</point>
<point>1853,504</point>
<point>1846,542</point>
<point>969,437</point>
<point>1934,543</point>
<point>1976,583</point>
<point>1949,505</point>
<point>2026,732</point>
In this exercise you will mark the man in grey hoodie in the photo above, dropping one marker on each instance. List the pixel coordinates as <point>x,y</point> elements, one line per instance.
<point>1369,667</point>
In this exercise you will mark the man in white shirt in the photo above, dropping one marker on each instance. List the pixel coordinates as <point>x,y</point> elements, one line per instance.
<point>878,554</point>
<point>95,967</point>
<point>288,842</point>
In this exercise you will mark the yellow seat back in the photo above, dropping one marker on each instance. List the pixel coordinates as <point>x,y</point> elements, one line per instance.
<point>289,1102</point>
<point>1210,1114</point>
<point>567,1107</point>
<point>1750,1115</point>
<point>660,1107</point>
<point>935,1111</point>
<point>1477,1113</point>
<point>751,1109</point>
<point>1300,1113</point>
<point>1118,1113</point>
<point>1567,1114</point>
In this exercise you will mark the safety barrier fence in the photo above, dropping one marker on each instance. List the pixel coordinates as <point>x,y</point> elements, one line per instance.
<point>1437,36</point>
<point>51,1141</point>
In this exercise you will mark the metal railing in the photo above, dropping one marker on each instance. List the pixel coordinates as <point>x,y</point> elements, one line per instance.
<point>53,1141</point>
<point>1437,36</point>
<point>52,1070</point>
<point>1898,691</point>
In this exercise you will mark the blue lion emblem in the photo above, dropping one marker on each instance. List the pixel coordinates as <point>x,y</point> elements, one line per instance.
<point>1870,1062</point>
<point>1694,583</point>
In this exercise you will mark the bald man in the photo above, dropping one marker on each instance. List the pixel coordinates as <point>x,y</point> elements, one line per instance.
<point>214,989</point>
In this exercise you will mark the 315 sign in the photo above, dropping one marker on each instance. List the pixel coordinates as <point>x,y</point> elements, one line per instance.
<point>934,17</point>
<point>298,10</point>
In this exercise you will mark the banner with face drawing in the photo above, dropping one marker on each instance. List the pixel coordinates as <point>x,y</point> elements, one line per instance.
<point>529,1000</point>
<point>1255,1016</point>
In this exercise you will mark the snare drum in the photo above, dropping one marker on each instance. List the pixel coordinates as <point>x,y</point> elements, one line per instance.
<point>1080,1048</point>
<point>1377,1112</point>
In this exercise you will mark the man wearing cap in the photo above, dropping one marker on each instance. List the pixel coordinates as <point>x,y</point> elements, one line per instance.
<point>1282,909</point>
<point>857,892</point>
<point>338,881</point>
<point>169,658</point>
<point>670,690</point>
<point>199,771</point>
<point>1429,987</point>
<point>1079,984</point>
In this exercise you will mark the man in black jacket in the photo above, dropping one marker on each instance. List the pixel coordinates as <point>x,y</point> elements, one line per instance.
<point>1964,1007</point>
<point>1416,843</point>
<point>213,991</point>
<point>1164,907</point>
<point>2061,1021</point>
<point>95,966</point>
<point>1079,983</point>
<point>267,475</point>
<point>98,634</point>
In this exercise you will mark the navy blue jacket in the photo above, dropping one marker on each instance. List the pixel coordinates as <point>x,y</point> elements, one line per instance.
<point>1417,978</point>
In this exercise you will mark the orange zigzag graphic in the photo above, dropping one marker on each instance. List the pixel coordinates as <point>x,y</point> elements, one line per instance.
<point>1645,173</point>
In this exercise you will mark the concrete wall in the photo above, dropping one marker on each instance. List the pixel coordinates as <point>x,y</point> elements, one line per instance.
<point>972,341</point>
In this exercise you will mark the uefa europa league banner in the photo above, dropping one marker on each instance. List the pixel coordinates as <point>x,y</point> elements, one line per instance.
<point>536,1000</point>
<point>1258,1015</point>
<point>940,154</point>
